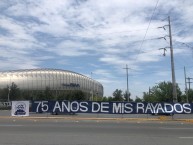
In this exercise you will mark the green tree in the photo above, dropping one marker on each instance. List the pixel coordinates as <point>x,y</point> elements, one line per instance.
<point>190,95</point>
<point>104,99</point>
<point>40,96</point>
<point>14,92</point>
<point>78,95</point>
<point>109,98</point>
<point>184,98</point>
<point>162,93</point>
<point>4,94</point>
<point>97,98</point>
<point>118,95</point>
<point>48,94</point>
<point>126,96</point>
<point>147,97</point>
<point>61,96</point>
<point>137,99</point>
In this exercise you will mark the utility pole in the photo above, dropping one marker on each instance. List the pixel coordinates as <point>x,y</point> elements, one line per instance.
<point>188,85</point>
<point>189,82</point>
<point>127,92</point>
<point>172,64</point>
<point>149,90</point>
<point>164,54</point>
<point>185,85</point>
<point>174,91</point>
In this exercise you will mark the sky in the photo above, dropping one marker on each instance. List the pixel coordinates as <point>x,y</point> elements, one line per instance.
<point>100,37</point>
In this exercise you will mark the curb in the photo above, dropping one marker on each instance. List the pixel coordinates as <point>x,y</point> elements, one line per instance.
<point>73,118</point>
<point>97,119</point>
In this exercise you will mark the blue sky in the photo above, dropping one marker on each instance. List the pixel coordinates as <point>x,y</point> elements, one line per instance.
<point>100,37</point>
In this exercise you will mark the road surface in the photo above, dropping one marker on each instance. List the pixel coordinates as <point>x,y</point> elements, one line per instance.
<point>15,131</point>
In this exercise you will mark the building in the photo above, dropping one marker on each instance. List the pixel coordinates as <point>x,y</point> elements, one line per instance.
<point>55,79</point>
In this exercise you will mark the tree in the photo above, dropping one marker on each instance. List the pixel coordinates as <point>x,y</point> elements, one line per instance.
<point>48,94</point>
<point>126,95</point>
<point>184,98</point>
<point>137,99</point>
<point>14,92</point>
<point>110,99</point>
<point>190,95</point>
<point>40,96</point>
<point>162,93</point>
<point>149,97</point>
<point>104,99</point>
<point>117,95</point>
<point>78,95</point>
<point>4,94</point>
<point>61,96</point>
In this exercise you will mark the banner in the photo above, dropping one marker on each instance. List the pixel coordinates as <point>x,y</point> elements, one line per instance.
<point>20,108</point>
<point>111,107</point>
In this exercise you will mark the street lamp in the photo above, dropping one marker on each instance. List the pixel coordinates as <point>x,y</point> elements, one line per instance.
<point>127,92</point>
<point>9,89</point>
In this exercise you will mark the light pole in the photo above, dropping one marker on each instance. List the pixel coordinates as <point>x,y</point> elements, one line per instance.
<point>186,84</point>
<point>127,92</point>
<point>9,89</point>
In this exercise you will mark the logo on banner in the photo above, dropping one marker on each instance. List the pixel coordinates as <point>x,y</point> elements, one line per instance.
<point>20,108</point>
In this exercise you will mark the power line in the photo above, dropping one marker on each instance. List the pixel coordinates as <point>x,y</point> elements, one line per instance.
<point>78,36</point>
<point>147,28</point>
<point>102,45</point>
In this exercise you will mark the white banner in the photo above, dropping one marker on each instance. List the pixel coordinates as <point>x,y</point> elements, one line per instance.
<point>20,108</point>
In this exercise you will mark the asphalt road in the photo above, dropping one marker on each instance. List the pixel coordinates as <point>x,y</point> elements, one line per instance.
<point>15,131</point>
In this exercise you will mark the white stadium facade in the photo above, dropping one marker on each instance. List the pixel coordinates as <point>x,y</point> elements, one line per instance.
<point>55,79</point>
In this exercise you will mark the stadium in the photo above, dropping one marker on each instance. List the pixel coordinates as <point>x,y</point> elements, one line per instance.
<point>55,79</point>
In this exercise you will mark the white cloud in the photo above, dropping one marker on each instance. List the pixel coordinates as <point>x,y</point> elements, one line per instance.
<point>106,35</point>
<point>163,73</point>
<point>115,60</point>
